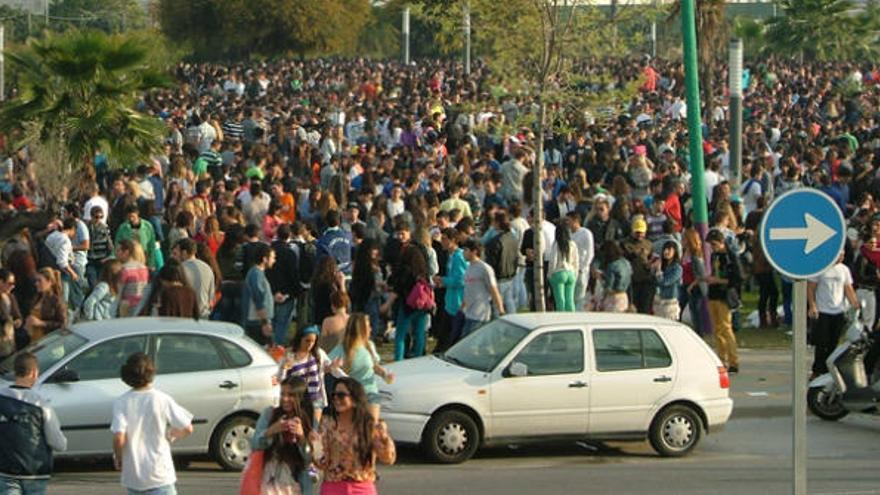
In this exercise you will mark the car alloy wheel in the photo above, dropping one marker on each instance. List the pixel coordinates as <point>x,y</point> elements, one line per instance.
<point>231,445</point>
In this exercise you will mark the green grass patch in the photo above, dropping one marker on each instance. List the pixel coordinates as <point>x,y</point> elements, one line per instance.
<point>759,338</point>
<point>766,338</point>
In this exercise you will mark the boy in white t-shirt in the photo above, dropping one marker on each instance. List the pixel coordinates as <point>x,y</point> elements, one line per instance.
<point>145,423</point>
<point>827,297</point>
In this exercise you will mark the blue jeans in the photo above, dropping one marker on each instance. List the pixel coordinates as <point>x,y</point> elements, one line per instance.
<point>15,486</point>
<point>162,490</point>
<point>787,300</point>
<point>376,323</point>
<point>93,271</point>
<point>415,322</point>
<point>507,288</point>
<point>281,320</point>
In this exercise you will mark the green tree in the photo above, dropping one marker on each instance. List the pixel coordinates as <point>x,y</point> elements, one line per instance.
<point>80,89</point>
<point>16,23</point>
<point>825,29</point>
<point>533,49</point>
<point>243,28</point>
<point>106,15</point>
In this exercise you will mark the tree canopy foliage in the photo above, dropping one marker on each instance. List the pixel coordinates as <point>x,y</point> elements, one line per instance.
<point>825,29</point>
<point>109,16</point>
<point>81,88</point>
<point>244,28</point>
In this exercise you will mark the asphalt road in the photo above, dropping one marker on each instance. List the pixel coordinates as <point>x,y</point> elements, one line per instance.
<point>751,456</point>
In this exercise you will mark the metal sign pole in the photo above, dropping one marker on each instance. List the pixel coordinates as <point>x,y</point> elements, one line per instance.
<point>736,114</point>
<point>467,38</point>
<point>802,234</point>
<point>799,391</point>
<point>406,35</point>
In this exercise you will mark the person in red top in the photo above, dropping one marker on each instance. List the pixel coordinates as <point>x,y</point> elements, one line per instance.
<point>673,188</point>
<point>650,79</point>
<point>211,235</point>
<point>19,200</point>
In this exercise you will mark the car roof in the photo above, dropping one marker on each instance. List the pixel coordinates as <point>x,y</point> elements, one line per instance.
<point>97,330</point>
<point>538,320</point>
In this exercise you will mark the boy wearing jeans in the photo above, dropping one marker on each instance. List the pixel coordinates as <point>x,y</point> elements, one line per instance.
<point>145,423</point>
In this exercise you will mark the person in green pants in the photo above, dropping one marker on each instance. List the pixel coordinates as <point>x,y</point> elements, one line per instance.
<point>563,267</point>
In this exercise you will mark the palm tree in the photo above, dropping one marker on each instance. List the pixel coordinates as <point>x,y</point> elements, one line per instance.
<point>81,89</point>
<point>712,33</point>
<point>825,29</point>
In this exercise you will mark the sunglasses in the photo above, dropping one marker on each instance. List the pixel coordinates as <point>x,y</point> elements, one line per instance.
<point>340,395</point>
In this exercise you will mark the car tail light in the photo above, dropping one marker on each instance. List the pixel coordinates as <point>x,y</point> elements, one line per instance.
<point>723,377</point>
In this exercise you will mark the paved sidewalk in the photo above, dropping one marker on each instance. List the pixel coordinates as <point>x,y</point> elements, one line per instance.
<point>762,388</point>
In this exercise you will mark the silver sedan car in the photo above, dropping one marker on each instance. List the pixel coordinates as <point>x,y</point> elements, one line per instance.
<point>212,369</point>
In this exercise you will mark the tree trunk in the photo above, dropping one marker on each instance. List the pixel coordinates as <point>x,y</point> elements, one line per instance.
<point>538,210</point>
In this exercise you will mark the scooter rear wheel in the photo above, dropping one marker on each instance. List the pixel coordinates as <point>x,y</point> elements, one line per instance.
<point>825,405</point>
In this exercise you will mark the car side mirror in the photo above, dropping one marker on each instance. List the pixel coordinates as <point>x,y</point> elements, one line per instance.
<point>517,369</point>
<point>65,375</point>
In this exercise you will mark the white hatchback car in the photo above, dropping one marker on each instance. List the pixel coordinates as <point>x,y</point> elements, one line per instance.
<point>211,368</point>
<point>555,376</point>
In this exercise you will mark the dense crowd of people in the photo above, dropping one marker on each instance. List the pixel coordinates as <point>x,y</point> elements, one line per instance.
<point>308,190</point>
<point>369,201</point>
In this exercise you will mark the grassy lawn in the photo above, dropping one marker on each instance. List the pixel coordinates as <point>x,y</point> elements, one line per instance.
<point>756,338</point>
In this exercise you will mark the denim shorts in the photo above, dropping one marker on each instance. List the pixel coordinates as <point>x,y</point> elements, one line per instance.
<point>374,398</point>
<point>159,490</point>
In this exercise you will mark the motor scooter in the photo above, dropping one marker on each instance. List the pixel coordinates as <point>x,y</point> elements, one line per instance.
<point>848,386</point>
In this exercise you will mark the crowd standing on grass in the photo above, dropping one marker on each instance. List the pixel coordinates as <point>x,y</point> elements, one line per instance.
<point>329,204</point>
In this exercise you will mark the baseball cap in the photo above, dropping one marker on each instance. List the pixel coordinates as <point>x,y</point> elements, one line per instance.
<point>640,225</point>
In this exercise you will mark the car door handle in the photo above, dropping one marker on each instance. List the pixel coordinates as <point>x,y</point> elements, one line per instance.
<point>228,384</point>
<point>577,384</point>
<point>663,379</point>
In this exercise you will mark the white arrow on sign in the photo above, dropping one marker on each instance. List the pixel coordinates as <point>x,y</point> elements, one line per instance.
<point>815,233</point>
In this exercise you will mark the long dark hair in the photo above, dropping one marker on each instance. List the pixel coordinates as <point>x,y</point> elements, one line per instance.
<point>363,278</point>
<point>563,239</point>
<point>289,453</point>
<point>170,274</point>
<point>675,257</point>
<point>296,341</point>
<point>362,420</point>
<point>325,272</point>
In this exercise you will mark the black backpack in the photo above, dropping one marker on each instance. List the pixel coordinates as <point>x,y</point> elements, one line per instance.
<point>308,256</point>
<point>493,254</point>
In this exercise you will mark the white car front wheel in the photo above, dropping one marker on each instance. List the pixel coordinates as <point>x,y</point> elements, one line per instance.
<point>451,437</point>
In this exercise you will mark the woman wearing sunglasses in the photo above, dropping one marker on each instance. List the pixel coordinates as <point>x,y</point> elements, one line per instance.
<point>352,442</point>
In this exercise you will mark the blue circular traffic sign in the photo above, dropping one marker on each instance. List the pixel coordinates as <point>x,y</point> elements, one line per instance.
<point>803,233</point>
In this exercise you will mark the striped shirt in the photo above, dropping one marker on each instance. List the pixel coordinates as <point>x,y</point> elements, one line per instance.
<point>133,280</point>
<point>311,370</point>
<point>233,129</point>
<point>212,158</point>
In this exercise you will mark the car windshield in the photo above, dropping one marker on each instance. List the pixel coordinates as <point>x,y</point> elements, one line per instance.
<point>486,347</point>
<point>49,350</point>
